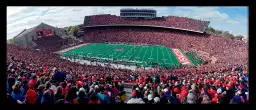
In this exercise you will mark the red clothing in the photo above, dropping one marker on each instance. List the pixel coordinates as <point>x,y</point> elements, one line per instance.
<point>211,93</point>
<point>94,78</point>
<point>162,79</point>
<point>31,97</point>
<point>214,100</point>
<point>64,91</point>
<point>133,93</point>
<point>115,91</point>
<point>176,90</point>
<point>94,102</point>
<point>154,85</point>
<point>74,101</point>
<point>115,79</point>
<point>32,83</point>
<point>184,93</point>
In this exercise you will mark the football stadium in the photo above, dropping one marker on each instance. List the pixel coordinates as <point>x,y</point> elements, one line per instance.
<point>136,57</point>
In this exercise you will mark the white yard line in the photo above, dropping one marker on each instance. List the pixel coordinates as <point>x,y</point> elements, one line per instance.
<point>163,55</point>
<point>169,55</point>
<point>128,51</point>
<point>144,55</point>
<point>120,52</point>
<point>157,54</point>
<point>139,52</point>
<point>132,49</point>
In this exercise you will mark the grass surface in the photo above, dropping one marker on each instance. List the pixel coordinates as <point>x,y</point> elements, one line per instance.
<point>135,54</point>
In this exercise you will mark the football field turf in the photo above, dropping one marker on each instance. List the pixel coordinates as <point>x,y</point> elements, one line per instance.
<point>134,54</point>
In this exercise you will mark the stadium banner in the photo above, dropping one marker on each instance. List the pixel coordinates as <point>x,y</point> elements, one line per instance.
<point>43,33</point>
<point>181,57</point>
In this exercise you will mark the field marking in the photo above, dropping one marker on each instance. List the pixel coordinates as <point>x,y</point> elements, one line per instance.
<point>139,53</point>
<point>144,55</point>
<point>109,51</point>
<point>128,52</point>
<point>169,55</point>
<point>133,53</point>
<point>121,52</point>
<point>163,55</point>
<point>157,54</point>
<point>97,55</point>
<point>151,55</point>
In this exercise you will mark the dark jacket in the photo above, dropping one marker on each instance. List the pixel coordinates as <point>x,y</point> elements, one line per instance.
<point>18,96</point>
<point>58,96</point>
<point>39,96</point>
<point>11,82</point>
<point>47,99</point>
<point>59,76</point>
<point>11,100</point>
<point>236,100</point>
<point>82,100</point>
<point>163,100</point>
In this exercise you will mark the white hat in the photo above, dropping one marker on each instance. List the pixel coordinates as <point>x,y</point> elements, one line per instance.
<point>156,99</point>
<point>145,87</point>
<point>238,92</point>
<point>219,91</point>
<point>176,83</point>
<point>82,89</point>
<point>165,90</point>
<point>96,86</point>
<point>150,97</point>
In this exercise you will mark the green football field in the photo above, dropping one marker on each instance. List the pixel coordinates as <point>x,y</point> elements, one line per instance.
<point>134,54</point>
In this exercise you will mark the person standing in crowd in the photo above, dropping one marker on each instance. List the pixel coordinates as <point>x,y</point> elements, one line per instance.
<point>104,99</point>
<point>58,94</point>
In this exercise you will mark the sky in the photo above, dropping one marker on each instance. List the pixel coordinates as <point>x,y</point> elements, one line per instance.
<point>232,19</point>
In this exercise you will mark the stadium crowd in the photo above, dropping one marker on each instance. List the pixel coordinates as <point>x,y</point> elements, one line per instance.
<point>169,21</point>
<point>44,78</point>
<point>225,50</point>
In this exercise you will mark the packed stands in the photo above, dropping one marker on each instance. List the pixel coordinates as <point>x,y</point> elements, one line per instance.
<point>216,46</point>
<point>170,21</point>
<point>39,78</point>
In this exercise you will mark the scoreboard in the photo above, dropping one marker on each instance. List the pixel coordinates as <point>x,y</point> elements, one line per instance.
<point>44,33</point>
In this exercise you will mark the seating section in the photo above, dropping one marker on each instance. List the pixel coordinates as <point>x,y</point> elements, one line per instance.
<point>170,21</point>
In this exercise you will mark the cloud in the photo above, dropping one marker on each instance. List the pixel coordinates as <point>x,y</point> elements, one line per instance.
<point>218,19</point>
<point>20,18</point>
<point>203,13</point>
<point>232,22</point>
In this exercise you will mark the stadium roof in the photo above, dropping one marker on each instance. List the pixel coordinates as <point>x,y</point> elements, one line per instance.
<point>136,9</point>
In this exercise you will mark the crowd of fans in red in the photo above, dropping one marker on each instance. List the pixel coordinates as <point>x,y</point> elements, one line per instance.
<point>44,78</point>
<point>169,21</point>
<point>224,49</point>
